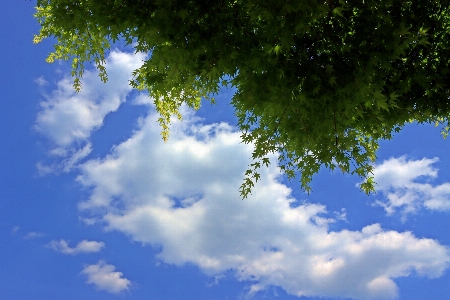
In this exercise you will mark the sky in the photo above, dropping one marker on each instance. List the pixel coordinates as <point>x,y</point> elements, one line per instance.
<point>94,205</point>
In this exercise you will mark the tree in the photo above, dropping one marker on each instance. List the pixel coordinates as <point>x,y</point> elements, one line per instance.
<point>319,82</point>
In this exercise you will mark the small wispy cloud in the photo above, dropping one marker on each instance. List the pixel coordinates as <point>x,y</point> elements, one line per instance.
<point>33,235</point>
<point>105,278</point>
<point>84,246</point>
<point>40,81</point>
<point>15,230</point>
<point>407,188</point>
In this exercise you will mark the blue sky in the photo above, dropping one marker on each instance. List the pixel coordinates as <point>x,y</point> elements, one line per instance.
<point>93,205</point>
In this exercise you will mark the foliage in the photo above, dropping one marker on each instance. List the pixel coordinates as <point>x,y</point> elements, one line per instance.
<point>319,82</point>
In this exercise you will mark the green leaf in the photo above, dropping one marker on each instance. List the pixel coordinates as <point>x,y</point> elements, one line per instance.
<point>338,11</point>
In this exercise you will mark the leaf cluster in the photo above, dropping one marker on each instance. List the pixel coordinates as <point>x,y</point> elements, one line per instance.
<point>319,82</point>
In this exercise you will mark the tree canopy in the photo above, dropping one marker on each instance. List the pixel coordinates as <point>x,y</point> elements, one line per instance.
<point>319,82</point>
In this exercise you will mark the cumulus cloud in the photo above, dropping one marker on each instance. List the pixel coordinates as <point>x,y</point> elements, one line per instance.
<point>407,188</point>
<point>68,118</point>
<point>105,278</point>
<point>84,246</point>
<point>183,196</point>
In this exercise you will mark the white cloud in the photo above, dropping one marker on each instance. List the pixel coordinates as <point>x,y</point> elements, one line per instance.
<point>104,278</point>
<point>84,246</point>
<point>68,118</point>
<point>15,230</point>
<point>40,81</point>
<point>183,195</point>
<point>33,235</point>
<point>397,179</point>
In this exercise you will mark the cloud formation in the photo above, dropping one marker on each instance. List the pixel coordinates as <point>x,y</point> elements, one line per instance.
<point>84,246</point>
<point>33,235</point>
<point>68,118</point>
<point>105,278</point>
<point>407,188</point>
<point>182,196</point>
